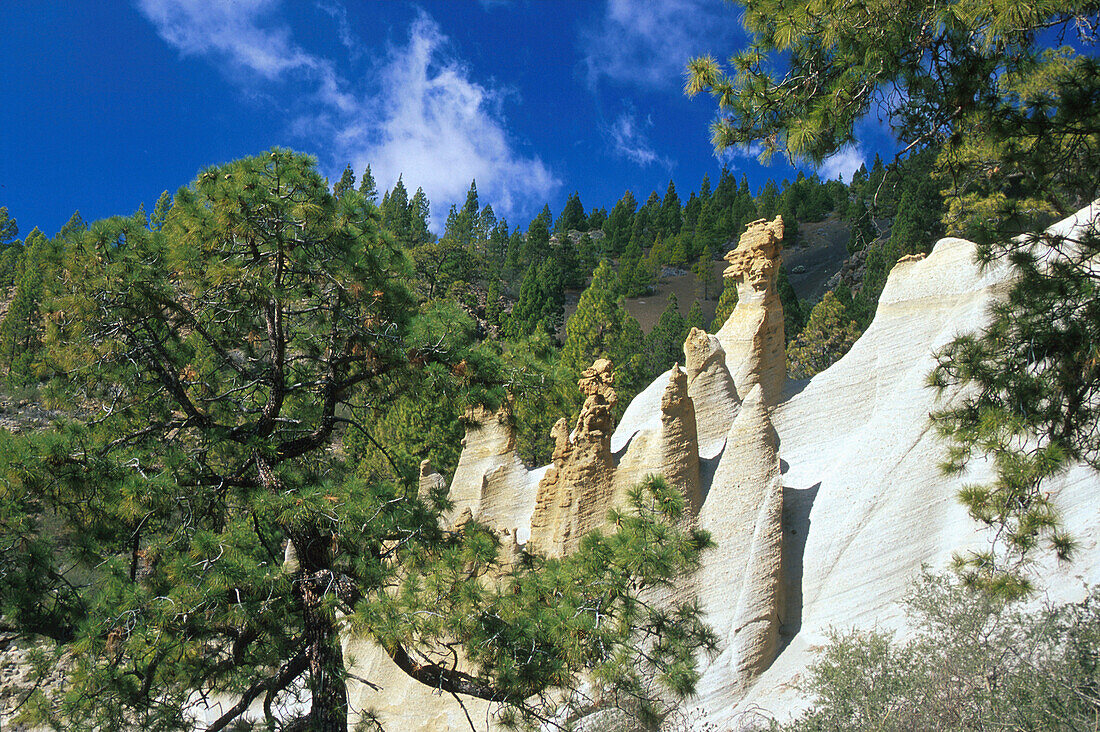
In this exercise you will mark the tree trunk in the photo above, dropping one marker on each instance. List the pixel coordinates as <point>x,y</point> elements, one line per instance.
<point>328,687</point>
<point>329,708</point>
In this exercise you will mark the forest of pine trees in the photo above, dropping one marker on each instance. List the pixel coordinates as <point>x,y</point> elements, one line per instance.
<point>509,284</point>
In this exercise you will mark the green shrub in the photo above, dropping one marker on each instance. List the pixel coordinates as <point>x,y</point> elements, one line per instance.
<point>974,662</point>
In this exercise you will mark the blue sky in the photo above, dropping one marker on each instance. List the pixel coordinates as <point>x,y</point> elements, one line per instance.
<point>107,104</point>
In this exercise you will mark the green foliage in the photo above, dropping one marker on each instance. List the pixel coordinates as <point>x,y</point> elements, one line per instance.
<point>345,184</point>
<point>727,301</point>
<point>10,259</point>
<point>828,335</point>
<point>367,187</point>
<point>542,391</point>
<point>807,199</point>
<point>664,346</point>
<point>494,305</point>
<point>541,302</point>
<point>418,416</point>
<point>9,230</point>
<point>863,229</point>
<point>637,273</point>
<point>705,276</point>
<point>671,214</point>
<point>767,202</point>
<point>213,510</point>
<point>1014,127</point>
<point>1032,378</point>
<point>23,328</point>
<point>810,73</point>
<point>619,224</point>
<point>975,663</point>
<point>596,218</point>
<point>601,328</point>
<point>793,317</point>
<point>694,317</point>
<point>572,216</point>
<point>160,211</point>
<point>522,644</point>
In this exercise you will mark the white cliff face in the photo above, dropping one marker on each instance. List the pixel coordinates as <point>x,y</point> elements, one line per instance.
<point>865,502</point>
<point>824,497</point>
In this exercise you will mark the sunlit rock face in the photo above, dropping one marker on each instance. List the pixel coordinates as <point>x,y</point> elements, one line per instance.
<point>575,494</point>
<point>824,497</point>
<point>752,336</point>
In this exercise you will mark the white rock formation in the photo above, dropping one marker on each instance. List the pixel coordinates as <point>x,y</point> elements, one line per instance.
<point>752,336</point>
<point>824,499</point>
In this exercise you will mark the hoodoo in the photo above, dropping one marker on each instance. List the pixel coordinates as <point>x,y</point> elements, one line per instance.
<point>824,497</point>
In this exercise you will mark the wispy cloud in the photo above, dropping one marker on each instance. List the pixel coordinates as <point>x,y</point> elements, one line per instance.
<point>242,32</point>
<point>441,130</point>
<point>843,163</point>
<point>425,118</point>
<point>648,43</point>
<point>628,139</point>
<point>347,36</point>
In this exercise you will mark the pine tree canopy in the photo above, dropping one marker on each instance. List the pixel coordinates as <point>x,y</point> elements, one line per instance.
<point>190,528</point>
<point>9,230</point>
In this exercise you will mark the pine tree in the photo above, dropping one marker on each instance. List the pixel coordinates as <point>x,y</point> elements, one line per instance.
<point>601,328</point>
<point>10,264</point>
<point>767,203</point>
<point>73,228</point>
<point>828,335</point>
<point>863,230</point>
<point>694,317</point>
<point>664,346</point>
<point>21,330</point>
<point>569,260</point>
<point>395,211</point>
<point>588,255</point>
<point>493,304</point>
<point>9,230</point>
<point>526,316</point>
<point>727,301</point>
<point>596,218</point>
<point>160,211</point>
<point>345,184</point>
<point>572,216</point>
<point>671,216</point>
<point>211,447</point>
<point>619,224</point>
<point>793,317</point>
<point>705,277</point>
<point>536,245</point>
<point>367,187</point>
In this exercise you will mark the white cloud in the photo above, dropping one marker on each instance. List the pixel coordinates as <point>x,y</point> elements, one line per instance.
<point>629,140</point>
<point>426,119</point>
<point>441,130</point>
<point>233,29</point>
<point>648,42</point>
<point>752,151</point>
<point>843,163</point>
<point>339,13</point>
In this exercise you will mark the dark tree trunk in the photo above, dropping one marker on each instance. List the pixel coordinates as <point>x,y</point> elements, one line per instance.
<point>329,709</point>
<point>315,588</point>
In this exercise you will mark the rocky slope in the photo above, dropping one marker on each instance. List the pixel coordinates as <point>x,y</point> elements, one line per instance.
<point>824,497</point>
